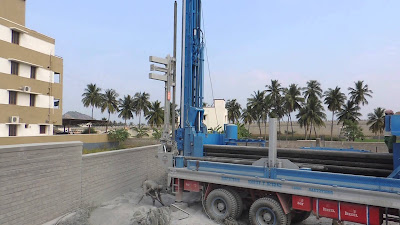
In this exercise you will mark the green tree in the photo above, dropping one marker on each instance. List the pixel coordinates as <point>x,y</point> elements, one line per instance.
<point>242,131</point>
<point>126,108</point>
<point>266,112</point>
<point>376,121</point>
<point>293,102</point>
<point>91,96</point>
<point>352,131</point>
<point>141,131</point>
<point>349,112</point>
<point>155,115</point>
<point>256,105</point>
<point>276,100</point>
<point>156,133</point>
<point>141,104</point>
<point>334,98</point>
<point>359,93</point>
<point>233,108</point>
<point>247,116</point>
<point>313,90</point>
<point>119,136</point>
<point>312,115</point>
<point>109,102</point>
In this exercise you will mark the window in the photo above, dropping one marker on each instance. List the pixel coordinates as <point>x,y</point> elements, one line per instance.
<point>12,100</point>
<point>57,78</point>
<point>32,100</point>
<point>14,68</point>
<point>15,37</point>
<point>42,129</point>
<point>56,103</point>
<point>33,72</point>
<point>12,130</point>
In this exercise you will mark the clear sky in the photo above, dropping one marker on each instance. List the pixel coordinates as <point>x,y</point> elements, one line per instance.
<point>249,43</point>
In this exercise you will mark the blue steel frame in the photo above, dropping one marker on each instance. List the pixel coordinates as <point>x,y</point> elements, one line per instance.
<point>190,136</point>
<point>389,185</point>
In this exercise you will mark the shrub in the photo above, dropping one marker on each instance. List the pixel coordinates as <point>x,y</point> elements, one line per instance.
<point>119,135</point>
<point>242,131</point>
<point>156,133</point>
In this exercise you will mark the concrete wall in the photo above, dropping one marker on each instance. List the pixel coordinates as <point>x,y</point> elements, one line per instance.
<point>371,146</point>
<point>85,138</point>
<point>108,174</point>
<point>40,182</point>
<point>320,131</point>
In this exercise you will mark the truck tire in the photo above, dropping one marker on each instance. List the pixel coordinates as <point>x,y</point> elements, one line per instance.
<point>299,216</point>
<point>267,211</point>
<point>221,204</point>
<point>239,202</point>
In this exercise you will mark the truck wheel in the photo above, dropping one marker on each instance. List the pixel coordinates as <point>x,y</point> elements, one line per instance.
<point>267,211</point>
<point>299,216</point>
<point>239,202</point>
<point>221,204</point>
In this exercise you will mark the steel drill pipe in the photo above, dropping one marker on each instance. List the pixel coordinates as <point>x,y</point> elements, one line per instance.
<point>314,167</point>
<point>311,161</point>
<point>384,158</point>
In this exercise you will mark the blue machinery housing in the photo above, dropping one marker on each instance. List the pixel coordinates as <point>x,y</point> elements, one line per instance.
<point>192,135</point>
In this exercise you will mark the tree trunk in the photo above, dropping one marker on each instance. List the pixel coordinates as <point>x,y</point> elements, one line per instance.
<point>140,117</point>
<point>315,131</point>
<point>259,126</point>
<point>92,111</point>
<point>265,129</point>
<point>287,128</point>
<point>310,130</point>
<point>279,122</point>
<point>305,131</point>
<point>108,121</point>
<point>125,122</point>
<point>333,114</point>
<point>291,124</point>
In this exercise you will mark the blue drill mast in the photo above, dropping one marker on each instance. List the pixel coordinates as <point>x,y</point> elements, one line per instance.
<point>190,135</point>
<point>278,190</point>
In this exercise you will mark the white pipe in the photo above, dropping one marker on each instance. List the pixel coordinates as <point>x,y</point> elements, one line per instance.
<point>272,141</point>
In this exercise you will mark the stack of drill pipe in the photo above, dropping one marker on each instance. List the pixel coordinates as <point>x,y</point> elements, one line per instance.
<point>368,164</point>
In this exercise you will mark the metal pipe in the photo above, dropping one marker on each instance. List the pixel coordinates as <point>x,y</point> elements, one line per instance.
<point>182,119</point>
<point>174,70</point>
<point>222,160</point>
<point>272,150</point>
<point>385,158</point>
<point>311,161</point>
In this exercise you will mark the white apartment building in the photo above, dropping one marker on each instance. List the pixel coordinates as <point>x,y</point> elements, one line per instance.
<point>30,76</point>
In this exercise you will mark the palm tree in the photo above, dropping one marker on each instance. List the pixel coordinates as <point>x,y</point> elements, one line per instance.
<point>312,114</point>
<point>313,90</point>
<point>359,93</point>
<point>91,96</point>
<point>126,108</point>
<point>334,98</point>
<point>109,102</point>
<point>155,115</point>
<point>247,116</point>
<point>141,103</point>
<point>349,112</point>
<point>292,101</point>
<point>275,90</point>
<point>377,121</point>
<point>255,103</point>
<point>233,108</point>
